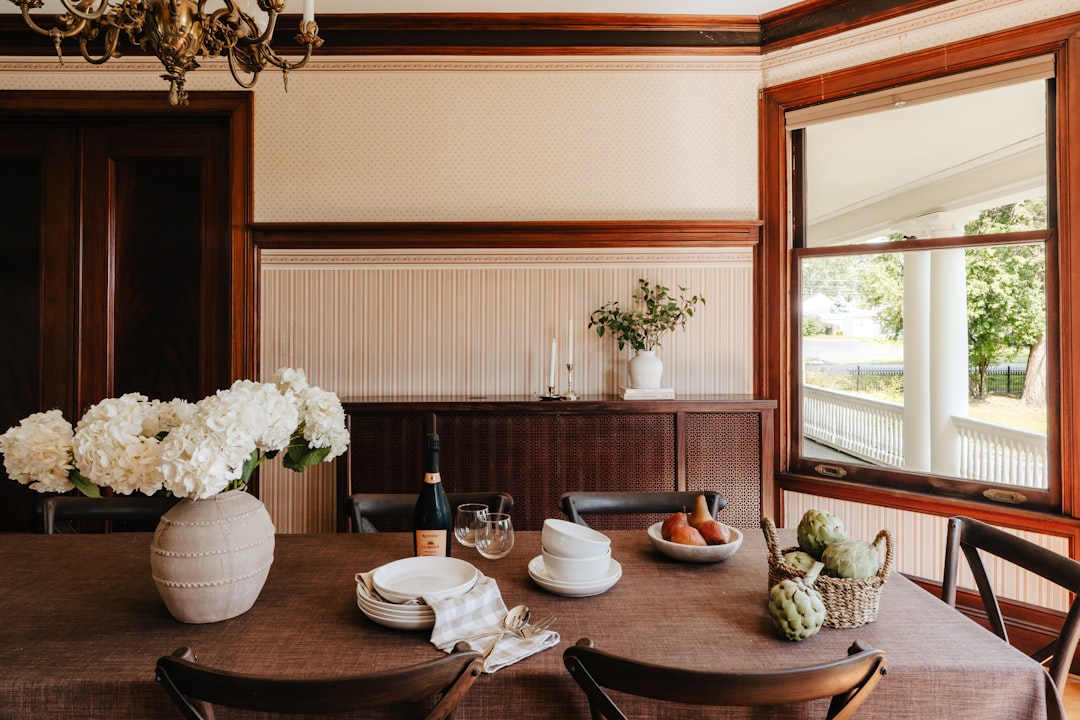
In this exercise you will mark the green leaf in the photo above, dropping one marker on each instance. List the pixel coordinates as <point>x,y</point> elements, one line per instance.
<point>84,485</point>
<point>300,456</point>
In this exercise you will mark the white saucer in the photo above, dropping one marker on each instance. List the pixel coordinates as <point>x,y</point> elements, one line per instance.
<point>405,580</point>
<point>540,576</point>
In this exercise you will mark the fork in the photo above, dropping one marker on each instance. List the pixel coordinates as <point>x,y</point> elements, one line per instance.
<point>534,629</point>
<point>525,631</point>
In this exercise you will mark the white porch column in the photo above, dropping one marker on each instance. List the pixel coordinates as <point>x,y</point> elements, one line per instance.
<point>917,445</point>
<point>948,358</point>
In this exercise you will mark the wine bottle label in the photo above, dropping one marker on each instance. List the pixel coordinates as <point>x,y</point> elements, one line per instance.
<point>431,542</point>
<point>432,478</point>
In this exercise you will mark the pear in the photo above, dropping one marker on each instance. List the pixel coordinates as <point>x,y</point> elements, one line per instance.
<point>673,521</point>
<point>687,535</point>
<point>715,532</point>
<point>700,514</point>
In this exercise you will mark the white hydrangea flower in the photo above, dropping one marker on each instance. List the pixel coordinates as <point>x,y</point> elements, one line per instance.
<point>115,444</point>
<point>206,453</point>
<point>290,381</point>
<point>324,421</point>
<point>37,452</point>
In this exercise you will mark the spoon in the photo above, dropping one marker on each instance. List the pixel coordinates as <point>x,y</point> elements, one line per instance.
<point>516,618</point>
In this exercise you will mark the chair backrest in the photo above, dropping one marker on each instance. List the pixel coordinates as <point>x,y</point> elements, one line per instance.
<point>196,688</point>
<point>848,681</point>
<point>401,505</point>
<point>574,504</point>
<point>970,536</point>
<point>59,511</point>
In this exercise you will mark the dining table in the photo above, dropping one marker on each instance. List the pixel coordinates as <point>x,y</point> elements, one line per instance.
<point>82,625</point>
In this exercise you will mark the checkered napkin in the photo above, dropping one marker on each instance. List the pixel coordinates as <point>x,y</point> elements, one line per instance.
<point>478,611</point>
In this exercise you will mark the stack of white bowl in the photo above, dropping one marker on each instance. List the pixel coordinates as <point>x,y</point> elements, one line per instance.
<point>575,560</point>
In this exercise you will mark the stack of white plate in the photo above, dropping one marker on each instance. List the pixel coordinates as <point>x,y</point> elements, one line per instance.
<point>400,585</point>
<point>540,575</point>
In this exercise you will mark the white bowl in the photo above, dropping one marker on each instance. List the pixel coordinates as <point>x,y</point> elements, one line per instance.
<point>576,569</point>
<point>695,553</point>
<point>542,577</point>
<point>408,579</point>
<point>570,540</point>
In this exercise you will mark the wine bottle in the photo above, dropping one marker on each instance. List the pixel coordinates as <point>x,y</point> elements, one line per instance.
<point>432,526</point>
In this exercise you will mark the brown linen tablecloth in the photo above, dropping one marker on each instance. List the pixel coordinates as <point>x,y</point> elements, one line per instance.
<point>81,626</point>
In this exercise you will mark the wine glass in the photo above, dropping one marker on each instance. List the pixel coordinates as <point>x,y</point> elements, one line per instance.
<point>495,536</point>
<point>467,520</point>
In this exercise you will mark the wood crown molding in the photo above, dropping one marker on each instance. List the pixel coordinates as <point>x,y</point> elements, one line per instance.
<point>547,33</point>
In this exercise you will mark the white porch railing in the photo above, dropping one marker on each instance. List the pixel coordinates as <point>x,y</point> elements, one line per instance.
<point>999,454</point>
<point>873,430</point>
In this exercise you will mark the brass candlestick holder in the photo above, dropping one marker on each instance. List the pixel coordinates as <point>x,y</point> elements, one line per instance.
<point>569,394</point>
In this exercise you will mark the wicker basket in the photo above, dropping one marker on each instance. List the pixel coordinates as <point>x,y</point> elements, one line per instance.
<point>848,602</point>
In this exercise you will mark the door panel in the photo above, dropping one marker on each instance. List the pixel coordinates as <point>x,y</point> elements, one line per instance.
<point>116,260</point>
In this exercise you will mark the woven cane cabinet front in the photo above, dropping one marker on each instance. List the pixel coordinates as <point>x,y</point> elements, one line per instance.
<point>537,450</point>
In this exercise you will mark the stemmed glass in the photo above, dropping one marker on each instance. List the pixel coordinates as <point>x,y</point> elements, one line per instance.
<point>467,520</point>
<point>495,536</point>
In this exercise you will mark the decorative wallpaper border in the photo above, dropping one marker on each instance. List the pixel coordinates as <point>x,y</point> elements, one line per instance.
<point>281,259</point>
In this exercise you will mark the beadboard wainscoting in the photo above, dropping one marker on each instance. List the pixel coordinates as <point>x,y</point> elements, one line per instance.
<point>919,541</point>
<point>475,322</point>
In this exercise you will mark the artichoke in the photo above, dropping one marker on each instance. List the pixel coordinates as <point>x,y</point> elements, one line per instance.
<point>796,608</point>
<point>819,529</point>
<point>799,560</point>
<point>850,559</point>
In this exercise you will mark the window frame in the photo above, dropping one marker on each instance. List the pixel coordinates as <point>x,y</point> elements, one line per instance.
<point>780,322</point>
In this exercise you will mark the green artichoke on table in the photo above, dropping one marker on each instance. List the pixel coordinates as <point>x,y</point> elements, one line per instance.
<point>819,529</point>
<point>799,560</point>
<point>796,608</point>
<point>851,559</point>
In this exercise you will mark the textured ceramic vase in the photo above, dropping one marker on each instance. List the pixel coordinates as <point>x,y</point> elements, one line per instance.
<point>645,369</point>
<point>210,557</point>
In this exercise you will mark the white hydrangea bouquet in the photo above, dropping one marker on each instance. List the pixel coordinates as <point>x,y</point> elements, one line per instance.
<point>133,444</point>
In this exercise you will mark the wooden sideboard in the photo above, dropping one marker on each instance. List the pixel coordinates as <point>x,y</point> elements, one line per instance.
<point>537,450</point>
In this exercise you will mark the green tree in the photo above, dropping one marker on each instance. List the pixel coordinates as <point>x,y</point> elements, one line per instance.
<point>1006,291</point>
<point>883,287</point>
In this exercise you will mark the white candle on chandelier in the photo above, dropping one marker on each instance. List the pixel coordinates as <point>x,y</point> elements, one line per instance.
<point>309,11</point>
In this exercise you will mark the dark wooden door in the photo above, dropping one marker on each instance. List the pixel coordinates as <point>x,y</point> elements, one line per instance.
<point>118,263</point>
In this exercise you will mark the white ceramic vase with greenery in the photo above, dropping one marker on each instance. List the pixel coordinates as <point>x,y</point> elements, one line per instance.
<point>655,313</point>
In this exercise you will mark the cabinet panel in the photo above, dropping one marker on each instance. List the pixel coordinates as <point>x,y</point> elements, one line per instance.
<point>537,451</point>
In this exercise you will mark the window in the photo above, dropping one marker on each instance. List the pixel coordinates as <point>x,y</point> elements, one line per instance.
<point>923,229</point>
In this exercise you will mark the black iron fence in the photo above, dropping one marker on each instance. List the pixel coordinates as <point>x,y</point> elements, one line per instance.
<point>1004,379</point>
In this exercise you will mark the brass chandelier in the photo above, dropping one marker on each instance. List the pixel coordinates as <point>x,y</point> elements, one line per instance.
<point>179,31</point>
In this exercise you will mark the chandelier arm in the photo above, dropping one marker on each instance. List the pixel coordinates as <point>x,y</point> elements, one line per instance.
<point>55,31</point>
<point>73,7</point>
<point>277,61</point>
<point>112,38</point>
<point>246,84</point>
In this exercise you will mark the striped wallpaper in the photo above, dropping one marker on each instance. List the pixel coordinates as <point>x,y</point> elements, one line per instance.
<point>474,323</point>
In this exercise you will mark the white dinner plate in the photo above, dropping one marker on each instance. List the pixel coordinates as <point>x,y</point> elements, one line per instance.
<point>409,578</point>
<point>419,622</point>
<point>405,612</point>
<point>540,576</point>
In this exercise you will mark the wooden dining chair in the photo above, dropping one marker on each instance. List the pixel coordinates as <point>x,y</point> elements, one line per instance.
<point>574,504</point>
<point>142,512</point>
<point>196,688</point>
<point>971,536</point>
<point>848,681</point>
<point>401,505</point>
